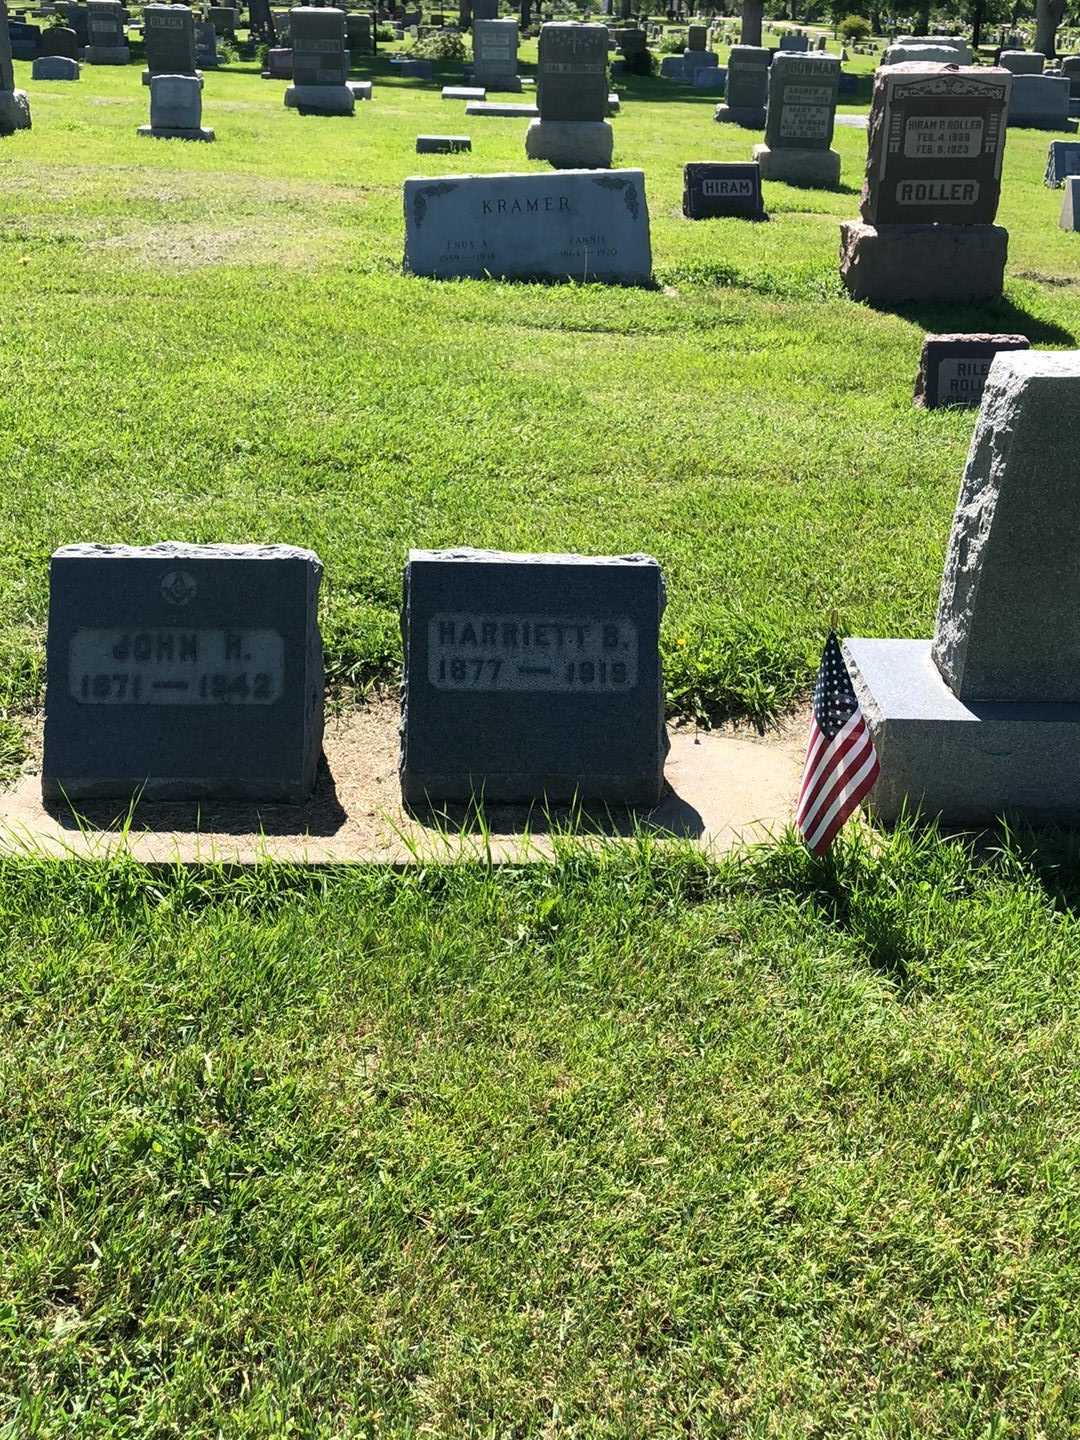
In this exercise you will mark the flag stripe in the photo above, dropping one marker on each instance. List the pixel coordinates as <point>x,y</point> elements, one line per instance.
<point>846,763</point>
<point>845,803</point>
<point>841,763</point>
<point>825,767</point>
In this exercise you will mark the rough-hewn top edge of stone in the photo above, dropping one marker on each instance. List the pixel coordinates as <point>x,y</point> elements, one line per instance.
<point>757,50</point>
<point>572,25</point>
<point>514,557</point>
<point>182,550</point>
<point>931,67</point>
<point>164,5</point>
<point>548,177</point>
<point>975,337</point>
<point>316,10</point>
<point>1038,364</point>
<point>806,56</point>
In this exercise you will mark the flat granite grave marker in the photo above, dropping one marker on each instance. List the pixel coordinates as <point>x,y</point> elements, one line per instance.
<point>985,721</point>
<point>573,225</point>
<point>572,97</point>
<point>54,67</point>
<point>14,105</point>
<point>169,39</point>
<point>442,144</point>
<point>1062,160</point>
<point>532,678</point>
<point>105,30</point>
<point>799,121</point>
<point>183,672</point>
<point>715,189</point>
<point>747,87</point>
<point>953,368</point>
<point>933,181</point>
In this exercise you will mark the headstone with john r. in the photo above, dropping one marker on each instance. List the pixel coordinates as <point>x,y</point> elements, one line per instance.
<point>583,225</point>
<point>532,678</point>
<point>985,721</point>
<point>799,121</point>
<point>715,189</point>
<point>183,671</point>
<point>747,87</point>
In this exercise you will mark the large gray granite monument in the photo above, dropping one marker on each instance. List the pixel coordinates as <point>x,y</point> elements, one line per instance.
<point>106,33</point>
<point>320,62</point>
<point>572,131</point>
<point>799,121</point>
<point>933,181</point>
<point>985,720</point>
<point>747,91</point>
<point>14,105</point>
<point>582,225</point>
<point>169,38</point>
<point>176,109</point>
<point>532,678</point>
<point>183,672</point>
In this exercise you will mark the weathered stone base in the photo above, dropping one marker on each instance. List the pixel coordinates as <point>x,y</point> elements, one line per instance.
<point>970,764</point>
<point>361,89</point>
<point>106,54</point>
<point>279,64</point>
<point>500,84</point>
<point>817,168</point>
<point>571,144</point>
<point>748,118</point>
<point>167,132</point>
<point>320,99</point>
<point>14,111</point>
<point>146,75</point>
<point>949,263</point>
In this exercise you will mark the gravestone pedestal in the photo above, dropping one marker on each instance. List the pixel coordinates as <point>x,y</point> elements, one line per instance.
<point>571,144</point>
<point>890,264</point>
<point>818,168</point>
<point>985,721</point>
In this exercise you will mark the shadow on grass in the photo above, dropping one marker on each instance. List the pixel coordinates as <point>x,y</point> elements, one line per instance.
<point>674,817</point>
<point>1003,316</point>
<point>322,815</point>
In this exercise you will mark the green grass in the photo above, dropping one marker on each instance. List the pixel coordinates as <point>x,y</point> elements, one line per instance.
<point>215,343</point>
<point>632,1146</point>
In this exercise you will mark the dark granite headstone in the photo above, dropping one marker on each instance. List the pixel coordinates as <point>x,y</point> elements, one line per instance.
<point>7,70</point>
<point>169,35</point>
<point>572,72</point>
<point>485,9</point>
<point>224,20</point>
<point>1070,67</point>
<point>532,677</point>
<point>23,39</point>
<point>802,102</point>
<point>954,368</point>
<point>59,40</point>
<point>105,27</point>
<point>697,37</point>
<point>715,189</point>
<point>183,672</point>
<point>320,54</point>
<point>747,77</point>
<point>359,33</point>
<point>1062,160</point>
<point>936,141</point>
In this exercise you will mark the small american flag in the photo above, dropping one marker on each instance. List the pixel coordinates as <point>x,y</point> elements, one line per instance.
<point>841,762</point>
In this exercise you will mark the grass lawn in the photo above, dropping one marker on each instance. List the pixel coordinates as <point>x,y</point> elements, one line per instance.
<point>633,1145</point>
